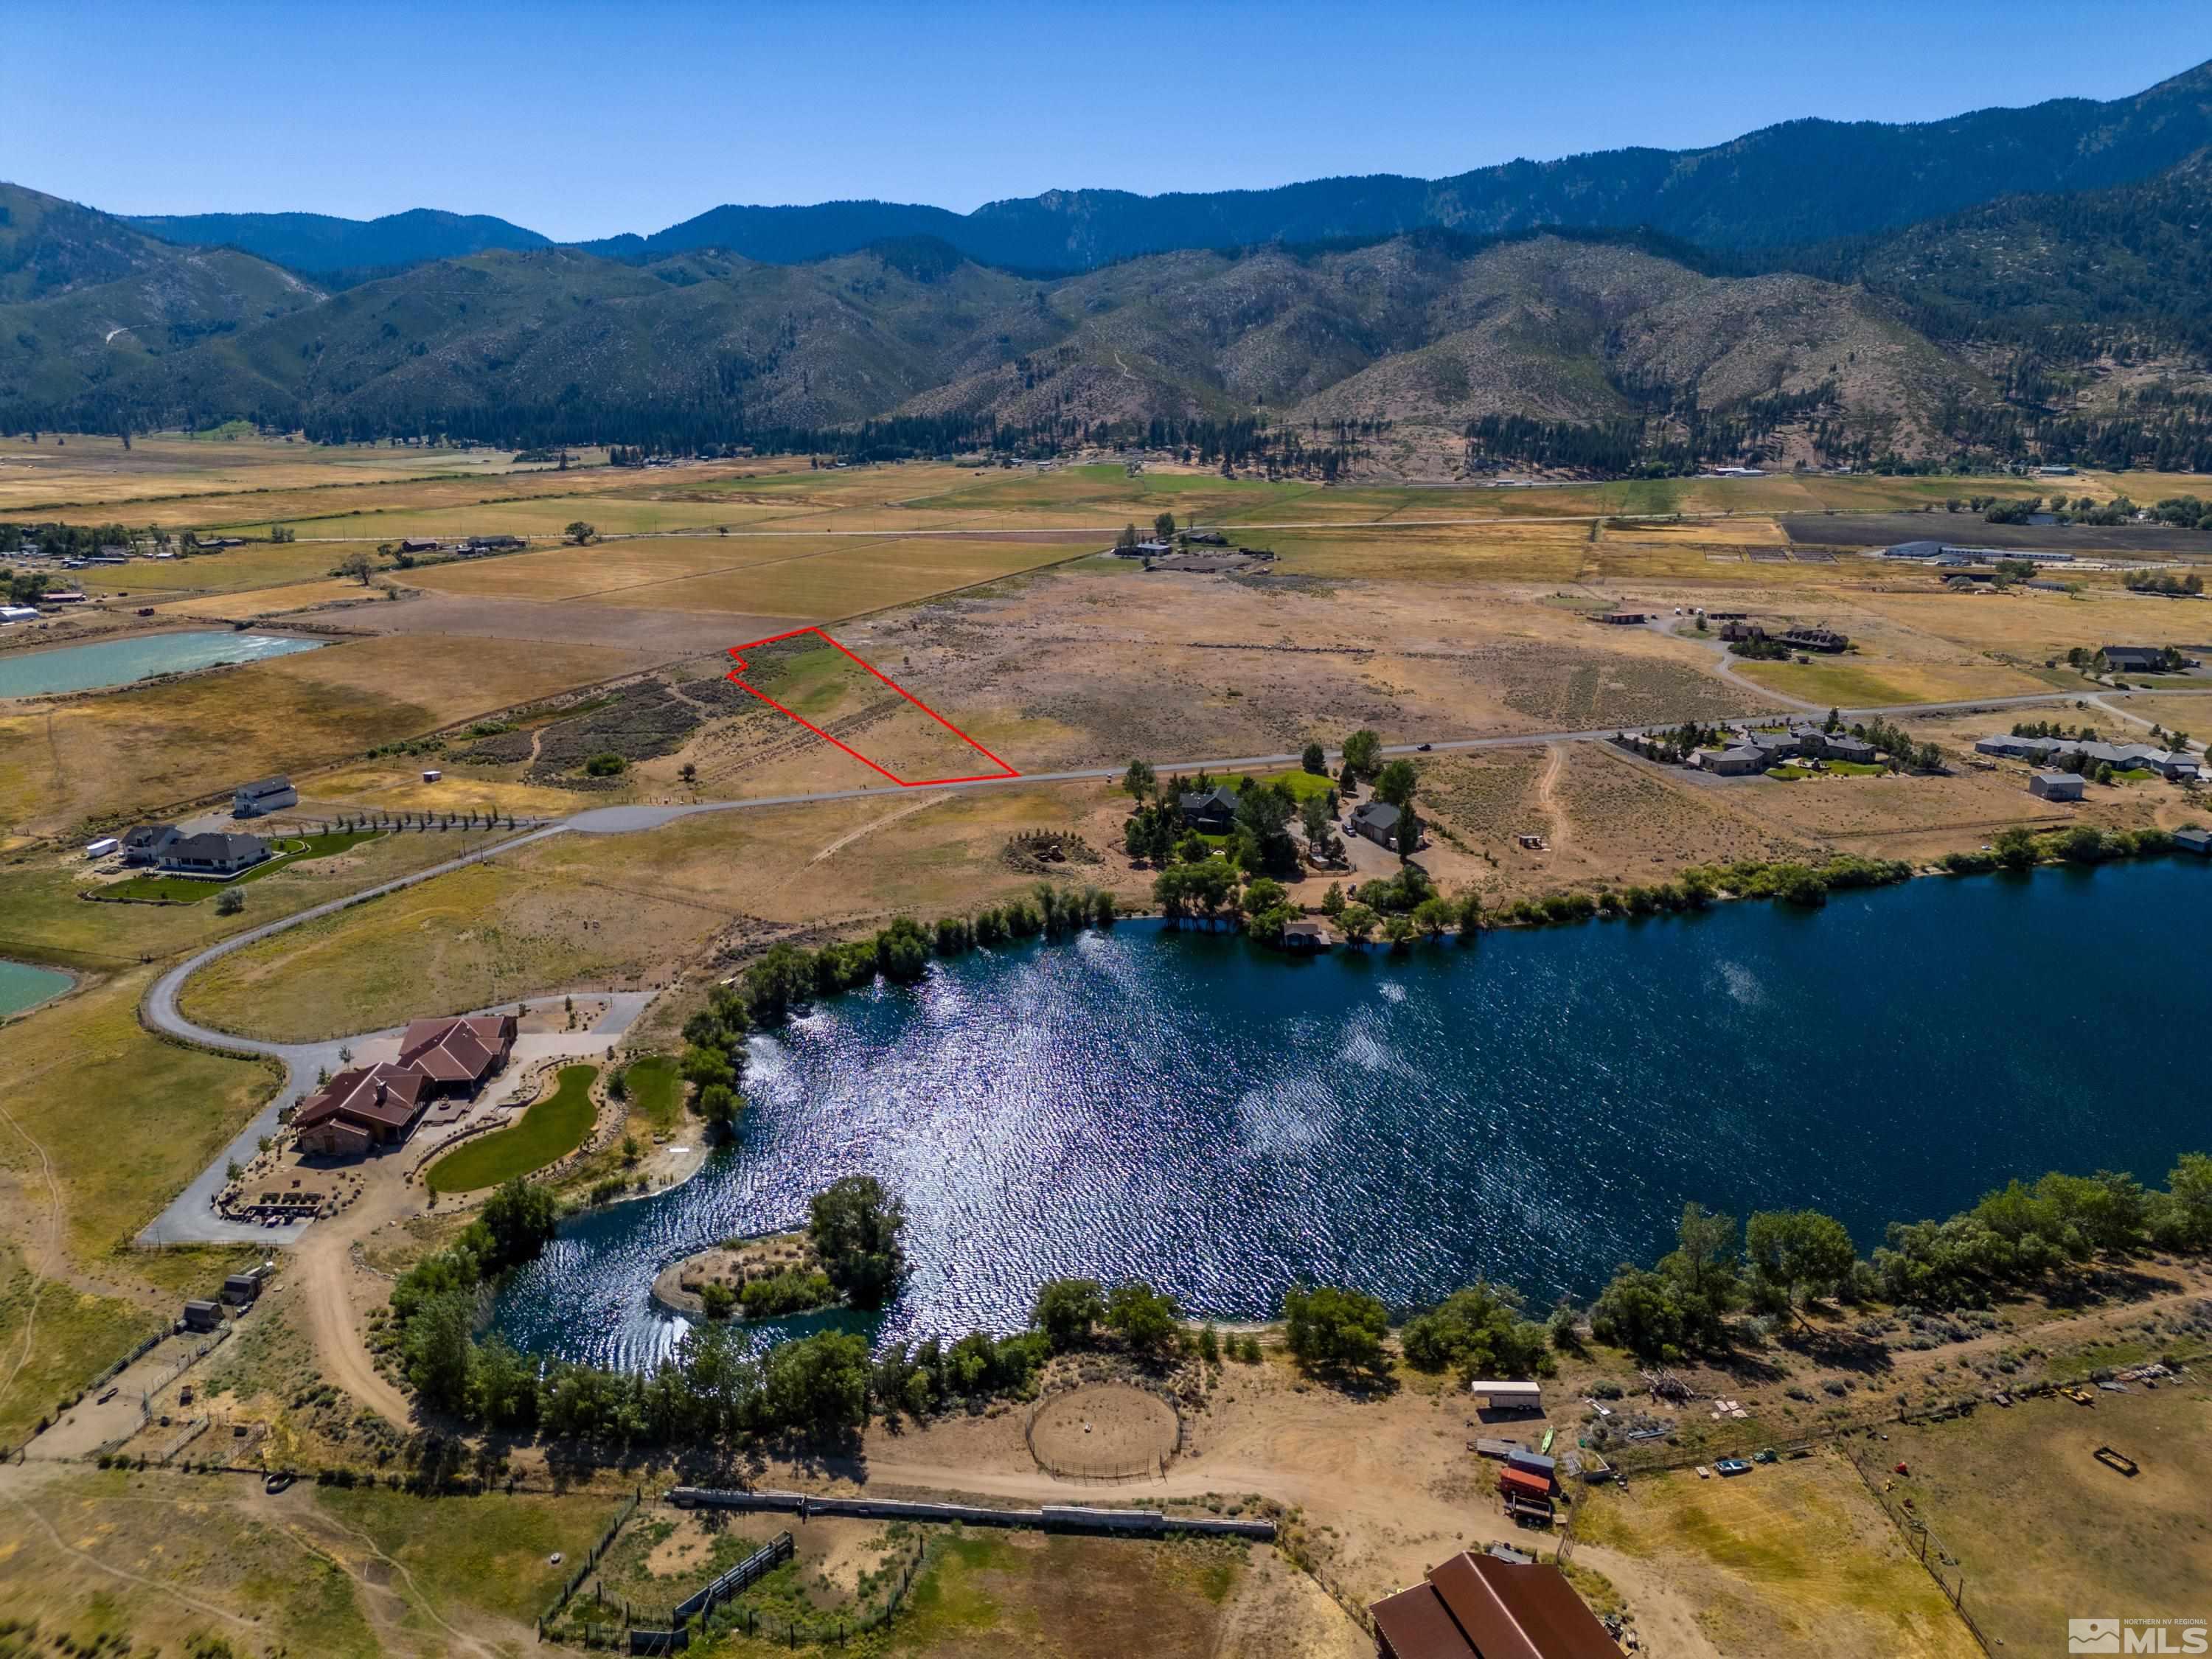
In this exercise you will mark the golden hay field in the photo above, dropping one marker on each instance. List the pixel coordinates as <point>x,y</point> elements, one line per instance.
<point>576,573</point>
<point>609,511</point>
<point>82,468</point>
<point>258,565</point>
<point>273,601</point>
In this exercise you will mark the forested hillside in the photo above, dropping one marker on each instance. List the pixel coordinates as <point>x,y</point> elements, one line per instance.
<point>2061,326</point>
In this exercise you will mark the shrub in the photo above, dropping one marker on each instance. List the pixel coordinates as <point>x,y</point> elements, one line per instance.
<point>606,764</point>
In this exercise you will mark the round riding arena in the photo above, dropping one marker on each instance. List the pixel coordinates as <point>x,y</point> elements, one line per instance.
<point>1104,1432</point>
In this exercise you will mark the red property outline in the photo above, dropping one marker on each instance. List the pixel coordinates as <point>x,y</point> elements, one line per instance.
<point>735,677</point>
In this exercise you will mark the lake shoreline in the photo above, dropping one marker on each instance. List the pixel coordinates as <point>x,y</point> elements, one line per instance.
<point>1406,1122</point>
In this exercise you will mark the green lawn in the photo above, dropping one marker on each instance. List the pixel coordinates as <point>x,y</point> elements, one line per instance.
<point>1789,774</point>
<point>656,1092</point>
<point>190,890</point>
<point>1853,769</point>
<point>550,1129</point>
<point>1304,784</point>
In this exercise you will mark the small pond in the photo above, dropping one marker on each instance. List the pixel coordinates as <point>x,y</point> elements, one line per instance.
<point>119,662</point>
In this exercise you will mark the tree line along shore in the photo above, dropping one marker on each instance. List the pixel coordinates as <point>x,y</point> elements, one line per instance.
<point>1724,1291</point>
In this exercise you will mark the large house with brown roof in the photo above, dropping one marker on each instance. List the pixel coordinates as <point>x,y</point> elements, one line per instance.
<point>455,1056</point>
<point>1478,1606</point>
<point>363,1107</point>
<point>371,1106</point>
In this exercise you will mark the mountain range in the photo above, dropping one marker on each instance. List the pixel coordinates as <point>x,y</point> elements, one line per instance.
<point>1799,182</point>
<point>1818,321</point>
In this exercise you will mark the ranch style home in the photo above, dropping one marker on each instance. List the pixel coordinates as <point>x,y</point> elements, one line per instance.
<point>456,1056</point>
<point>2171,764</point>
<point>363,1107</point>
<point>369,1106</point>
<point>214,852</point>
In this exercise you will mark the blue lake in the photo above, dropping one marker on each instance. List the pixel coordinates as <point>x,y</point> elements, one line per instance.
<point>1536,1107</point>
<point>22,986</point>
<point>117,662</point>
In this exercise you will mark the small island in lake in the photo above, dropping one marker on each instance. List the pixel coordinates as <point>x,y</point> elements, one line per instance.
<point>761,1278</point>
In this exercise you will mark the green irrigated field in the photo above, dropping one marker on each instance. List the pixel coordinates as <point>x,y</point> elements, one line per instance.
<point>552,1128</point>
<point>656,1093</point>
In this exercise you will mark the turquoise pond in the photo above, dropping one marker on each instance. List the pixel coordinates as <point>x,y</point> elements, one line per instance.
<point>1536,1107</point>
<point>119,662</point>
<point>22,986</point>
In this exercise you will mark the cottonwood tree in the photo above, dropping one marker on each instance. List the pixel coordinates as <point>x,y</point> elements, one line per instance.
<point>1797,1255</point>
<point>1363,753</point>
<point>1335,1330</point>
<point>1069,1311</point>
<point>1147,1319</point>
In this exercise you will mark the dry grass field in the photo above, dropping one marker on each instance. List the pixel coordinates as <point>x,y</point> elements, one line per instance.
<point>1857,683</point>
<point>284,599</point>
<point>132,750</point>
<point>80,468</point>
<point>121,1118</point>
<point>257,564</point>
<point>166,1559</point>
<point>616,911</point>
<point>1793,1558</point>
<point>611,512</point>
<point>2043,1532</point>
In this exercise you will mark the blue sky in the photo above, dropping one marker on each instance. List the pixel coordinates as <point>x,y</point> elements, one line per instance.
<point>581,120</point>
